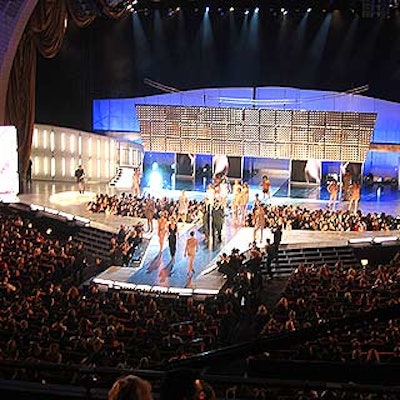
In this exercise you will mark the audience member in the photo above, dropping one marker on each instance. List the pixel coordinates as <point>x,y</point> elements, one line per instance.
<point>130,387</point>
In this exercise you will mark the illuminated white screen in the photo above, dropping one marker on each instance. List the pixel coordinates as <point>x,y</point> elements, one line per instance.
<point>9,183</point>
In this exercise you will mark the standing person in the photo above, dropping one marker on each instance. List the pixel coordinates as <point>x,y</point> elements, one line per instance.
<point>256,202</point>
<point>149,212</point>
<point>218,216</point>
<point>29,172</point>
<point>162,229</point>
<point>258,222</point>
<point>346,186</point>
<point>236,193</point>
<point>244,202</point>
<point>172,235</point>
<point>183,206</point>
<point>278,236</point>
<point>277,241</point>
<point>266,187</point>
<point>80,178</point>
<point>191,248</point>
<point>224,192</point>
<point>355,192</point>
<point>136,182</point>
<point>271,254</point>
<point>333,189</point>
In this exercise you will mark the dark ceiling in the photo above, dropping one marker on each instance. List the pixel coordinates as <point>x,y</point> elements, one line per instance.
<point>363,8</point>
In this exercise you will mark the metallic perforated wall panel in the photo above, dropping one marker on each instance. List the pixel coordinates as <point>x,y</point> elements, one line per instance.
<point>300,135</point>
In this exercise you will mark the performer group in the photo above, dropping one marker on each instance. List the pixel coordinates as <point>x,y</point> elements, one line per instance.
<point>216,208</point>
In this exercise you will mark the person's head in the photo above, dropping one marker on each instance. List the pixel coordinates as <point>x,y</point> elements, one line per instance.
<point>180,384</point>
<point>130,387</point>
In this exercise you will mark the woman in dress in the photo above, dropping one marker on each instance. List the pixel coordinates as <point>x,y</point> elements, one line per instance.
<point>172,236</point>
<point>183,206</point>
<point>236,194</point>
<point>244,202</point>
<point>162,229</point>
<point>149,212</point>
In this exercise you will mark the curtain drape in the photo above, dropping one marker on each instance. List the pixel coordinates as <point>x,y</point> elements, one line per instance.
<point>44,33</point>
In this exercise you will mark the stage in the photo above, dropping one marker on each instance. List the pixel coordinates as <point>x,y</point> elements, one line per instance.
<point>157,272</point>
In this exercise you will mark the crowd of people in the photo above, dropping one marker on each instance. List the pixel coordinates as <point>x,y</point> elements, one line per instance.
<point>297,217</point>
<point>147,207</point>
<point>57,321</point>
<point>316,293</point>
<point>259,214</point>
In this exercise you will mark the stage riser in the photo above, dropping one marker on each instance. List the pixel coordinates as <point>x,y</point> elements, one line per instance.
<point>290,259</point>
<point>97,242</point>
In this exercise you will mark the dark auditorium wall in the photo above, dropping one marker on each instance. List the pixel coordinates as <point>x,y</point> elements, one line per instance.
<point>105,60</point>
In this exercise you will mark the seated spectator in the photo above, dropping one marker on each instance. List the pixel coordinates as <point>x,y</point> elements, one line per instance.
<point>130,387</point>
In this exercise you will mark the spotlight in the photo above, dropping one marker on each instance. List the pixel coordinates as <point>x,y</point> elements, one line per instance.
<point>155,179</point>
<point>207,9</point>
<point>246,12</point>
<point>231,9</point>
<point>309,9</point>
<point>285,12</point>
<point>49,230</point>
<point>282,10</point>
<point>256,10</point>
<point>178,9</point>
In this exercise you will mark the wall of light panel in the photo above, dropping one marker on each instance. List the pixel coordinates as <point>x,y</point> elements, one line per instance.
<point>269,133</point>
<point>56,153</point>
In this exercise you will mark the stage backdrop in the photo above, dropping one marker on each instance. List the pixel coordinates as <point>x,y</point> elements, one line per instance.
<point>9,183</point>
<point>120,114</point>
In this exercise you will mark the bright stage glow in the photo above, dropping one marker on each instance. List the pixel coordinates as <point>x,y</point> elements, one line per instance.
<point>155,178</point>
<point>35,207</point>
<point>365,240</point>
<point>207,9</point>
<point>9,182</point>
<point>383,239</point>
<point>256,10</point>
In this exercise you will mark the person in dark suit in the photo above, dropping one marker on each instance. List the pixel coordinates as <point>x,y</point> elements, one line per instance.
<point>271,254</point>
<point>277,242</point>
<point>29,172</point>
<point>80,178</point>
<point>277,236</point>
<point>218,216</point>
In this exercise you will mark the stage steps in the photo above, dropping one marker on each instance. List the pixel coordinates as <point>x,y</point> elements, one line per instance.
<point>96,242</point>
<point>290,259</point>
<point>123,178</point>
